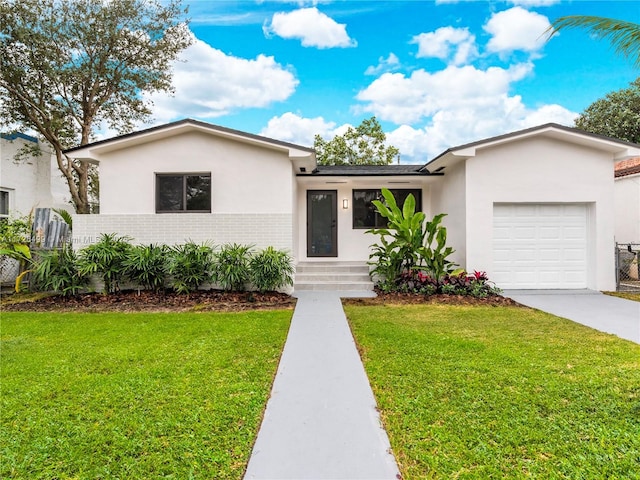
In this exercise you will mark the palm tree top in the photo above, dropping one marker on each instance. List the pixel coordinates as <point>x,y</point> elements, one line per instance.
<point>624,36</point>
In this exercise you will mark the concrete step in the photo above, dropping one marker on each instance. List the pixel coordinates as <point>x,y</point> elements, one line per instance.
<point>332,277</point>
<point>345,267</point>
<point>333,286</point>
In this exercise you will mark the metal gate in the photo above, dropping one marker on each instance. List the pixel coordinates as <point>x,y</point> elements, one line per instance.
<point>627,272</point>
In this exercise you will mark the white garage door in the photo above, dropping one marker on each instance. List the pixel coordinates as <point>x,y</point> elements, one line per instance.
<point>540,245</point>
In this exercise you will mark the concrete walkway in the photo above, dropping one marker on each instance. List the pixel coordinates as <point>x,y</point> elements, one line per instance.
<point>602,312</point>
<point>321,421</point>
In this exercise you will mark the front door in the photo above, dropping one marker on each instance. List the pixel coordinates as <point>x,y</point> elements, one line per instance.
<point>322,228</point>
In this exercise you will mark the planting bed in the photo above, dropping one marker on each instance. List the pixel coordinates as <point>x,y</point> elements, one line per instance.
<point>148,301</point>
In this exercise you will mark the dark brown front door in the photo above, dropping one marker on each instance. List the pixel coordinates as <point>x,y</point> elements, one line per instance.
<point>322,228</point>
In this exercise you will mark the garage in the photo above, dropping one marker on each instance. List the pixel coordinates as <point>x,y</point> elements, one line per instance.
<point>540,246</point>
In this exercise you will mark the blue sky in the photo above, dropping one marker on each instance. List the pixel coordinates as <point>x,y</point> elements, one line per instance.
<point>436,74</point>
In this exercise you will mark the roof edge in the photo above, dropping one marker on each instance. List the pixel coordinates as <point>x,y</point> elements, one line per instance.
<point>527,131</point>
<point>197,123</point>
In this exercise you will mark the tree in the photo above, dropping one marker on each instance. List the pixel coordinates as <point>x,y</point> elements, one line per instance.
<point>69,66</point>
<point>616,115</point>
<point>624,36</point>
<point>364,145</point>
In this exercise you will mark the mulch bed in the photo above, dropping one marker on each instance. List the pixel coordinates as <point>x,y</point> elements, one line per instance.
<point>147,301</point>
<point>439,299</point>
<point>216,300</point>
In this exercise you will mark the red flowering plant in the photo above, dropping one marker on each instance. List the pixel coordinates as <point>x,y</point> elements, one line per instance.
<point>459,282</point>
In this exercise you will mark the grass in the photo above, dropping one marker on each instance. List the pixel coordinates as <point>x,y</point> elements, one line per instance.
<point>635,296</point>
<point>134,395</point>
<point>501,392</point>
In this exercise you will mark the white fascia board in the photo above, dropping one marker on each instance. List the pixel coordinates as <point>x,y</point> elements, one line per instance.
<point>450,158</point>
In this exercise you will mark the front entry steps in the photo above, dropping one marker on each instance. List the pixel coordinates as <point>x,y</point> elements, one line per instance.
<point>332,276</point>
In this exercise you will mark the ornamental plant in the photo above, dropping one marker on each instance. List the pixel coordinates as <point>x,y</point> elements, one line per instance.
<point>145,265</point>
<point>409,243</point>
<point>14,244</point>
<point>189,266</point>
<point>271,269</point>
<point>401,242</point>
<point>58,270</point>
<point>231,267</point>
<point>106,258</point>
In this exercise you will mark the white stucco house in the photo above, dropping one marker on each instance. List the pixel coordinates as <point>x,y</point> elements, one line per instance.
<point>33,181</point>
<point>627,200</point>
<point>534,208</point>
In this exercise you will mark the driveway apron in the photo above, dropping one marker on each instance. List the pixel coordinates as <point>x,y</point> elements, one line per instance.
<point>321,420</point>
<point>602,312</point>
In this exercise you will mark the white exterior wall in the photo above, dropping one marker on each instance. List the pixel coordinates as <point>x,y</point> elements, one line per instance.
<point>31,183</point>
<point>449,196</point>
<point>244,178</point>
<point>542,171</point>
<point>252,192</point>
<point>353,244</point>
<point>175,228</point>
<point>627,202</point>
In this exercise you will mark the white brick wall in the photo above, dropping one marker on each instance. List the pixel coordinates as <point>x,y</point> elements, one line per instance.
<point>260,229</point>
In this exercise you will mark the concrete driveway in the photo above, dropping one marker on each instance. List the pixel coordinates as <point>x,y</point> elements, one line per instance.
<point>602,312</point>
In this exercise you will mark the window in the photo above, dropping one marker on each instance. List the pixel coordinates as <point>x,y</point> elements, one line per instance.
<point>183,192</point>
<point>4,204</point>
<point>364,211</point>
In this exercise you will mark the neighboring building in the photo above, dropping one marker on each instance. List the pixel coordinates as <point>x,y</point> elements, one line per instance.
<point>534,208</point>
<point>33,181</point>
<point>627,200</point>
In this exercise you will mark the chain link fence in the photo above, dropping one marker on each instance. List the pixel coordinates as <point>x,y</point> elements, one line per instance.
<point>627,273</point>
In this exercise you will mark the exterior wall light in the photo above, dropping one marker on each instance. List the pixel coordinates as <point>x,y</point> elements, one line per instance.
<point>345,203</point>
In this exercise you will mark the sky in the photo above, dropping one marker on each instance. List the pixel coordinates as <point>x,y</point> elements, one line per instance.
<point>436,74</point>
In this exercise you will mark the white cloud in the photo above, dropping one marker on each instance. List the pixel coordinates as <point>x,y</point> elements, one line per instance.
<point>535,3</point>
<point>209,83</point>
<point>389,64</point>
<point>549,114</point>
<point>293,128</point>
<point>401,99</point>
<point>443,109</point>
<point>312,27</point>
<point>447,42</point>
<point>451,128</point>
<point>516,29</point>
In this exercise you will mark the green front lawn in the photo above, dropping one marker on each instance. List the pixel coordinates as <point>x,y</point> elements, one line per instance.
<point>134,395</point>
<point>635,296</point>
<point>501,392</point>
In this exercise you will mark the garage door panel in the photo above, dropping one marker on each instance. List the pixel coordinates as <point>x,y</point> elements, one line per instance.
<point>540,246</point>
<point>550,233</point>
<point>550,254</point>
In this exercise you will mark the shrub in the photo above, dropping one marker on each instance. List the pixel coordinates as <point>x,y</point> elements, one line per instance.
<point>271,269</point>
<point>406,234</point>
<point>408,244</point>
<point>146,266</point>
<point>14,244</point>
<point>189,266</point>
<point>57,270</point>
<point>106,258</point>
<point>231,266</point>
<point>456,283</point>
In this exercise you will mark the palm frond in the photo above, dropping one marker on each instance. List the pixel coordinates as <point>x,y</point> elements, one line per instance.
<point>624,36</point>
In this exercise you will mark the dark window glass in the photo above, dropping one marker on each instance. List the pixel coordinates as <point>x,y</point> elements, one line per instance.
<point>364,211</point>
<point>198,192</point>
<point>4,203</point>
<point>183,193</point>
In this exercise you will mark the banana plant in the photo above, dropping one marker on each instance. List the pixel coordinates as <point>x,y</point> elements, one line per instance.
<point>409,243</point>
